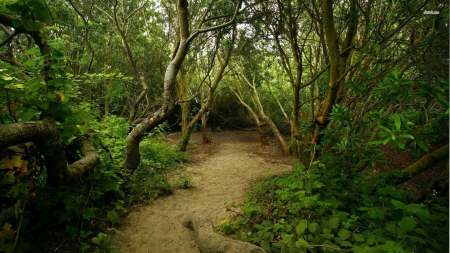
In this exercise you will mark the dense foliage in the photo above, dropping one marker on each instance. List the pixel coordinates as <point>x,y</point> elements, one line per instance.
<point>296,211</point>
<point>83,121</point>
<point>328,207</point>
<point>86,211</point>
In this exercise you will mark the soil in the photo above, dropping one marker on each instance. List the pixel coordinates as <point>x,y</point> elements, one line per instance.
<point>220,172</point>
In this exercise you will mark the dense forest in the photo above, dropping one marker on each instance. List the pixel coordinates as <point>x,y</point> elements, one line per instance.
<point>356,92</point>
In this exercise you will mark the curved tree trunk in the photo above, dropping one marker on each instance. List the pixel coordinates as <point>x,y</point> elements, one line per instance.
<point>47,138</point>
<point>133,156</point>
<point>338,63</point>
<point>187,130</point>
<point>427,161</point>
<point>284,145</point>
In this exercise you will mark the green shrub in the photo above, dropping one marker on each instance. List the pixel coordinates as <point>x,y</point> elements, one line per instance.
<point>298,212</point>
<point>88,208</point>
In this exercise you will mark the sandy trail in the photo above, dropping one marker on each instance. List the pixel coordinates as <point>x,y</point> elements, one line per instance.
<point>219,178</point>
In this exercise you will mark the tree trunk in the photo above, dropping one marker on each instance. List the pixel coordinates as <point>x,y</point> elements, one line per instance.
<point>206,136</point>
<point>187,130</point>
<point>427,161</point>
<point>47,138</point>
<point>133,156</point>
<point>284,145</point>
<point>263,133</point>
<point>337,63</point>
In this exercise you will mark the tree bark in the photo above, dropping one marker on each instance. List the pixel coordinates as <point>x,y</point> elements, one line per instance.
<point>427,161</point>
<point>206,105</point>
<point>133,157</point>
<point>47,138</point>
<point>337,63</point>
<point>205,133</point>
<point>210,242</point>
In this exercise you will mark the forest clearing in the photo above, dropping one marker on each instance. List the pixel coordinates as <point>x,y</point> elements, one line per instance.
<point>224,126</point>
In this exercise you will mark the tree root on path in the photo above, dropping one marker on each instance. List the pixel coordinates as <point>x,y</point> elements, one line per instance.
<point>210,242</point>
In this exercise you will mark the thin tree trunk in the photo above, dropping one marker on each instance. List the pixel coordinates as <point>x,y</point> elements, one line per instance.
<point>206,105</point>
<point>133,157</point>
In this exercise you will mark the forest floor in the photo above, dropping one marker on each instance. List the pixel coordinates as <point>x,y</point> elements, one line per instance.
<point>220,172</point>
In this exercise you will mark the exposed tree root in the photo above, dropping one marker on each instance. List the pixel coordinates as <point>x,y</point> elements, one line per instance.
<point>210,242</point>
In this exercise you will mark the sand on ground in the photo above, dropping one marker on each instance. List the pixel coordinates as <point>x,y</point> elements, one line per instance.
<point>220,173</point>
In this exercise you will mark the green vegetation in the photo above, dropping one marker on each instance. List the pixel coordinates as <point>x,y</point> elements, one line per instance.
<point>89,89</point>
<point>323,209</point>
<point>293,212</point>
<point>82,210</point>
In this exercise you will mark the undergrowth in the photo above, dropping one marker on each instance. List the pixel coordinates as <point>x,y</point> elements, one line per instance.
<point>82,217</point>
<point>316,210</point>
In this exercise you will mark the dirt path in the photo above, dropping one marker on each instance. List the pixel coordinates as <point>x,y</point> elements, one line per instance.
<point>220,173</point>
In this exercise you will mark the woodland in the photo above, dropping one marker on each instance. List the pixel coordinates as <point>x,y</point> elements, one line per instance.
<point>90,90</point>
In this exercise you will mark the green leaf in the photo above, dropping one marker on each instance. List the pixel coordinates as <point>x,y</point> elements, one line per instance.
<point>397,121</point>
<point>395,72</point>
<point>346,244</point>
<point>330,247</point>
<point>385,129</point>
<point>334,222</point>
<point>16,7</point>
<point>407,136</point>
<point>301,227</point>
<point>407,223</point>
<point>422,145</point>
<point>302,242</point>
<point>265,245</point>
<point>397,203</point>
<point>73,231</point>
<point>9,177</point>
<point>371,240</point>
<point>113,216</point>
<point>29,114</point>
<point>70,130</point>
<point>18,189</point>
<point>312,227</point>
<point>84,247</point>
<point>40,11</point>
<point>33,26</point>
<point>358,237</point>
<point>377,142</point>
<point>33,50</point>
<point>84,129</point>
<point>420,231</point>
<point>30,63</point>
<point>17,22</point>
<point>84,234</point>
<point>88,214</point>
<point>343,234</point>
<point>102,240</point>
<point>416,208</point>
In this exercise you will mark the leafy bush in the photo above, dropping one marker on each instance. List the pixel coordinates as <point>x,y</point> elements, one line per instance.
<point>299,210</point>
<point>88,208</point>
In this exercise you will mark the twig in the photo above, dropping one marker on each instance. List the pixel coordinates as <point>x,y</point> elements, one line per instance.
<point>20,223</point>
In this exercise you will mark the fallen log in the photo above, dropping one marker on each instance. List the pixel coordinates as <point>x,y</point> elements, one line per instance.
<point>210,242</point>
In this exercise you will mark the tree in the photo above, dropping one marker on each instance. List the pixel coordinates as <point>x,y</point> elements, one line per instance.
<point>206,103</point>
<point>169,96</point>
<point>47,92</point>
